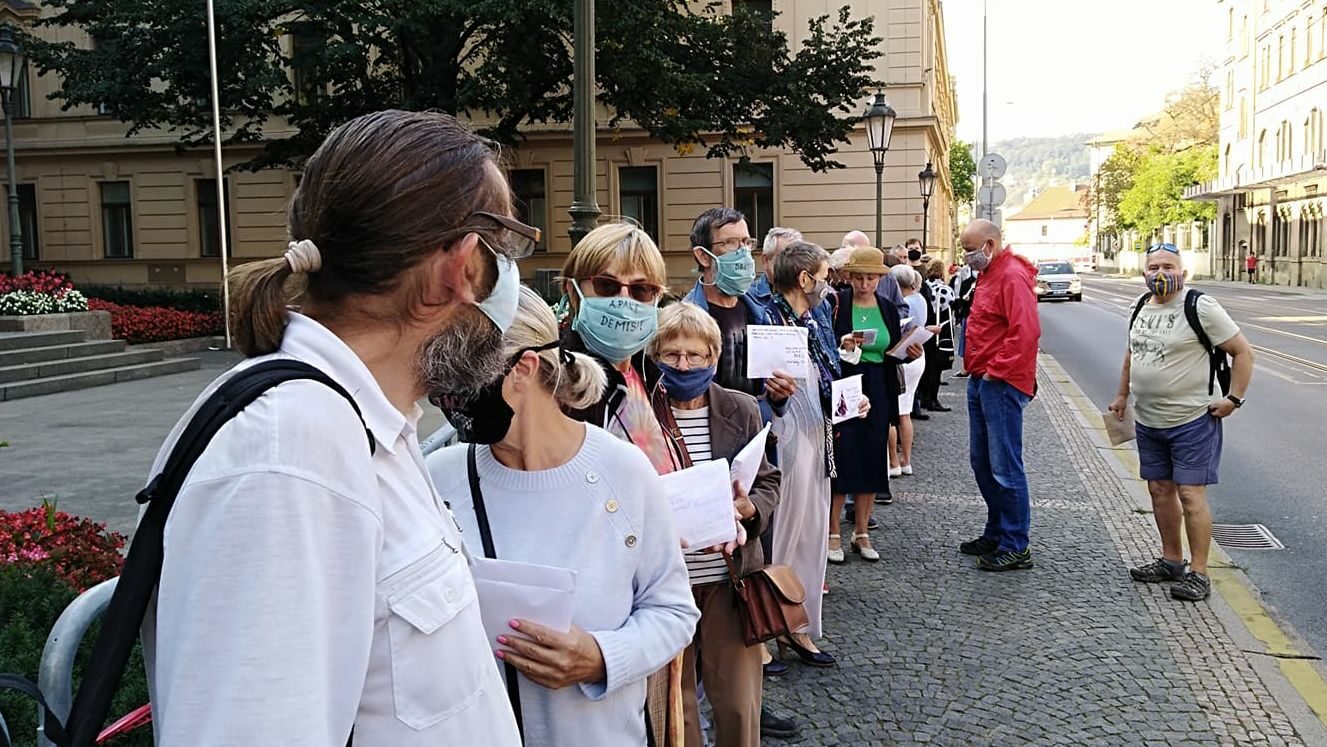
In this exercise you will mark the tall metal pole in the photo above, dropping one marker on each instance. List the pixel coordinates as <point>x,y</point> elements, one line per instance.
<point>221,173</point>
<point>985,146</point>
<point>584,204</point>
<point>15,230</point>
<point>879,199</point>
<point>926,219</point>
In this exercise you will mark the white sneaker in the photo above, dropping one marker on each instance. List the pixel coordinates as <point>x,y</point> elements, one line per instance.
<point>895,471</point>
<point>906,470</point>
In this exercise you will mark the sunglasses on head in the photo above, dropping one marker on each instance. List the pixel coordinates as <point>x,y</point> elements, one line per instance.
<point>607,286</point>
<point>1163,248</point>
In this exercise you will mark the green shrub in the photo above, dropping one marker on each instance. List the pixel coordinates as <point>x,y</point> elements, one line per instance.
<point>186,300</point>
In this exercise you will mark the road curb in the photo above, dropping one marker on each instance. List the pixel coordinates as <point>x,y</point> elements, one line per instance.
<point>1301,689</point>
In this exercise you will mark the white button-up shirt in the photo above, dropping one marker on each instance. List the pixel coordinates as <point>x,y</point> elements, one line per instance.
<point>309,586</point>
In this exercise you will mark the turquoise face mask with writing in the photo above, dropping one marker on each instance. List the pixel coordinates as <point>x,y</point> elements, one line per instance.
<point>736,271</point>
<point>615,327</point>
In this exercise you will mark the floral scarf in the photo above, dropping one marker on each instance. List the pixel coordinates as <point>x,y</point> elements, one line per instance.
<point>824,370</point>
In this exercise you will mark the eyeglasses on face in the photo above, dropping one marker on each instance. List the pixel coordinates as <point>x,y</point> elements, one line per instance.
<point>693,360</point>
<point>606,286</point>
<point>1163,248</point>
<point>732,245</point>
<point>518,240</point>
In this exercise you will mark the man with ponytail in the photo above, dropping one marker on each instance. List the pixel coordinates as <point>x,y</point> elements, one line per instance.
<point>314,585</point>
<point>1175,367</point>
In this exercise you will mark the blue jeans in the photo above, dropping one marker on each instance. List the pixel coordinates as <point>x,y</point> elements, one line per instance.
<point>962,337</point>
<point>995,448</point>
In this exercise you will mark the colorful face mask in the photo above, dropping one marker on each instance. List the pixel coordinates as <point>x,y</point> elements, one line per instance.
<point>615,327</point>
<point>736,271</point>
<point>1165,283</point>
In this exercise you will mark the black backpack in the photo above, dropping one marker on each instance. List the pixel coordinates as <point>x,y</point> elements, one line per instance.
<point>1218,361</point>
<point>142,567</point>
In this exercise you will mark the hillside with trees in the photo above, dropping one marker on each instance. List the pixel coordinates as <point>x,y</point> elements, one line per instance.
<point>1038,162</point>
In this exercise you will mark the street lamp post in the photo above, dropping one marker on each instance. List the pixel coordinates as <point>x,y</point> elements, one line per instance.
<point>584,205</point>
<point>926,180</point>
<point>11,68</point>
<point>879,129</point>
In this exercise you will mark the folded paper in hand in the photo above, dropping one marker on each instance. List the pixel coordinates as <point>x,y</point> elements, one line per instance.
<point>509,590</point>
<point>917,336</point>
<point>702,502</point>
<point>1119,431</point>
<point>746,465</point>
<point>771,348</point>
<point>845,398</point>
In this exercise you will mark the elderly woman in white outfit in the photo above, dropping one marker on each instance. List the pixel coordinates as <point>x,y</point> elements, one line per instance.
<point>910,283</point>
<point>558,492</point>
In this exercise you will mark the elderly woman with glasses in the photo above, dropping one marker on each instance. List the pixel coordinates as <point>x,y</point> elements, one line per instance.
<point>805,439</point>
<point>712,422</point>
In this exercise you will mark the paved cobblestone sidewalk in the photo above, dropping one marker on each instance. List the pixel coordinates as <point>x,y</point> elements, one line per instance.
<point>933,651</point>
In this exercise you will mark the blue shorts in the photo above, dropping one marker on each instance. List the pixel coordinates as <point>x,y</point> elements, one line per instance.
<point>1188,454</point>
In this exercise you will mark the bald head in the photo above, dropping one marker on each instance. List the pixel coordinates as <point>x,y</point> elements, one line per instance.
<point>981,233</point>
<point>855,240</point>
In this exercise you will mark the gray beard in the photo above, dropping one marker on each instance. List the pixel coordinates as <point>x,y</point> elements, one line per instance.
<point>463,357</point>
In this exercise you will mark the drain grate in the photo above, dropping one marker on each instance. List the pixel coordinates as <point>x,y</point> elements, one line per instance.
<point>1246,537</point>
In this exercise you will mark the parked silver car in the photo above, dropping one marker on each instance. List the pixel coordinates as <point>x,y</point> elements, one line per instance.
<point>1058,280</point>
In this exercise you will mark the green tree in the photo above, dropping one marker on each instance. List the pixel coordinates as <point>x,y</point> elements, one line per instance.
<point>962,169</point>
<point>1156,197</point>
<point>1112,180</point>
<point>292,72</point>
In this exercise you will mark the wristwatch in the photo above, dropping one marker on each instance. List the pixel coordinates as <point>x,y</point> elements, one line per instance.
<point>1239,401</point>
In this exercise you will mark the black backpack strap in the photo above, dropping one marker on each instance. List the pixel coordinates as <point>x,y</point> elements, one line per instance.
<point>142,568</point>
<point>51,726</point>
<point>1138,308</point>
<point>486,539</point>
<point>1218,363</point>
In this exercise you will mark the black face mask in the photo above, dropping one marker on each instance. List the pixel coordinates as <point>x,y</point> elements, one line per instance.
<point>483,417</point>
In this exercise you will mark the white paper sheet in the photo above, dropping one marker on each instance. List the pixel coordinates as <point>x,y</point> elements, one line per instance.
<point>845,397</point>
<point>918,336</point>
<point>509,590</point>
<point>702,502</point>
<point>746,465</point>
<point>771,347</point>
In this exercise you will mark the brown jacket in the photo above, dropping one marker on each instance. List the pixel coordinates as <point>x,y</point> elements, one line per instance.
<point>734,421</point>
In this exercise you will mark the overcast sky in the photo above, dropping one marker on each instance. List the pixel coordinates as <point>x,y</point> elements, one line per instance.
<point>1070,66</point>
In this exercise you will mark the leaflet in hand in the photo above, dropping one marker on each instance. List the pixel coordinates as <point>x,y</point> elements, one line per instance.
<point>746,465</point>
<point>509,590</point>
<point>845,398</point>
<point>866,336</point>
<point>917,336</point>
<point>771,347</point>
<point>702,501</point>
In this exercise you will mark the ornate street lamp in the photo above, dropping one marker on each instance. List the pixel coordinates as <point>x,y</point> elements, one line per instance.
<point>879,120</point>
<point>926,179</point>
<point>12,60</point>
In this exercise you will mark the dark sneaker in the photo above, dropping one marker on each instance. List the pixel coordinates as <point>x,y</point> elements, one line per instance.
<point>1159,570</point>
<point>1194,587</point>
<point>872,524</point>
<point>775,726</point>
<point>1005,561</point>
<point>884,499</point>
<point>979,546</point>
<point>960,375</point>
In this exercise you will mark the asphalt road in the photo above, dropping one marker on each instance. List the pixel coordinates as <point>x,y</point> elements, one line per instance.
<point>1273,469</point>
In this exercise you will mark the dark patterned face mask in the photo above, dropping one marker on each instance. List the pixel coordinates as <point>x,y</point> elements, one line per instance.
<point>1165,283</point>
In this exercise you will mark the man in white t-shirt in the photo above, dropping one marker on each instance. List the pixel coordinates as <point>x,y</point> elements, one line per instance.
<point>1179,409</point>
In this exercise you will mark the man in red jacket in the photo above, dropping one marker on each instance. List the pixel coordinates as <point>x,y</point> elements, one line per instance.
<point>1001,355</point>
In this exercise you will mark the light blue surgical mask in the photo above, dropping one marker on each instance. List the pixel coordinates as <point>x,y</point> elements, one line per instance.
<point>614,327</point>
<point>500,306</point>
<point>735,271</point>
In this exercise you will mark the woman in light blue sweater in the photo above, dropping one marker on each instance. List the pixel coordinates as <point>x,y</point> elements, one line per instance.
<point>562,493</point>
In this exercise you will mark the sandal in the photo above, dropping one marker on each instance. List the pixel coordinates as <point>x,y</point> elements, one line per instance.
<point>865,550</point>
<point>836,553</point>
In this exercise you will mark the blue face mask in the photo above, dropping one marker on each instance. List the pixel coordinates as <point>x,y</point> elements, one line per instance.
<point>614,328</point>
<point>735,271</point>
<point>688,384</point>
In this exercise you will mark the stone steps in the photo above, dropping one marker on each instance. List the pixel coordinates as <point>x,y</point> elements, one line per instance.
<point>36,363</point>
<point>60,352</point>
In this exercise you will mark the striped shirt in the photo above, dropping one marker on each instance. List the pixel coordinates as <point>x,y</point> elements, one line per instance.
<point>702,567</point>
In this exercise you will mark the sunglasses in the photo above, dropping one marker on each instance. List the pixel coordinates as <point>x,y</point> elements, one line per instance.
<point>1163,248</point>
<point>606,286</point>
<point>517,239</point>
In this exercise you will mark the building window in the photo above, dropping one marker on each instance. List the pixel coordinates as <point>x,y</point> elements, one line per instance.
<point>1294,45</point>
<point>1281,57</point>
<point>528,186</point>
<point>306,45</point>
<point>1243,118</point>
<point>1319,231</point>
<point>27,219</point>
<point>761,8</point>
<point>20,102</point>
<point>1045,230</point>
<point>109,47</point>
<point>1230,24</point>
<point>117,220</point>
<point>1244,37</point>
<point>753,194</point>
<point>1308,42</point>
<point>638,194</point>
<point>1262,149</point>
<point>209,226</point>
<point>1280,234</point>
<point>1230,90</point>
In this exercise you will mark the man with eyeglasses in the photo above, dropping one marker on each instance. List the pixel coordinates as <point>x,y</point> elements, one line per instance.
<point>1176,357</point>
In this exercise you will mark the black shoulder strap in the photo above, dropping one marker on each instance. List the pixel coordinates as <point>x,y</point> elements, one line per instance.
<point>1218,363</point>
<point>1138,308</point>
<point>1191,313</point>
<point>486,538</point>
<point>142,568</point>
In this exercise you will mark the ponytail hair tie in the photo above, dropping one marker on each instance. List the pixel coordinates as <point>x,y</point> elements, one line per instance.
<point>303,257</point>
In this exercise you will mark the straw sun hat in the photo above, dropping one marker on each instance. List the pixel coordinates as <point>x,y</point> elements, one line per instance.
<point>866,260</point>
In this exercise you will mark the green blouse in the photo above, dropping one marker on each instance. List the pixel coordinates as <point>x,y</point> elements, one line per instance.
<point>869,317</point>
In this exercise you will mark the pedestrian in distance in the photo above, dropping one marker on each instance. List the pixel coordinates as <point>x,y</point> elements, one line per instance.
<point>313,584</point>
<point>531,485</point>
<point>940,348</point>
<point>915,255</point>
<point>901,434</point>
<point>1250,261</point>
<point>1002,337</point>
<point>1174,369</point>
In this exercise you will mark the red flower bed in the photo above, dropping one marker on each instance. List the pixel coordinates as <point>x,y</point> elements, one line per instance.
<point>78,550</point>
<point>157,323</point>
<point>49,282</point>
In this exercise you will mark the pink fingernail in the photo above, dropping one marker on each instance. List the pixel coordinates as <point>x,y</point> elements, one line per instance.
<point>515,624</point>
<point>501,655</point>
<point>502,639</point>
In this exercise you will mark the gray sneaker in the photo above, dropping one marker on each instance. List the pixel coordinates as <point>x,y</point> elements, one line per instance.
<point>1195,587</point>
<point>1159,570</point>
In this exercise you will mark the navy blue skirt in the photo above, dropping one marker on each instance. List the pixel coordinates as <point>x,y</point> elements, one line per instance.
<point>861,445</point>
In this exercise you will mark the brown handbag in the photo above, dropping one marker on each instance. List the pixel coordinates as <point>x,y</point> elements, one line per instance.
<point>771,600</point>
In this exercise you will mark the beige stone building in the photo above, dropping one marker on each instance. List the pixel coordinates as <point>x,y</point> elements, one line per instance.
<point>132,211</point>
<point>1271,188</point>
